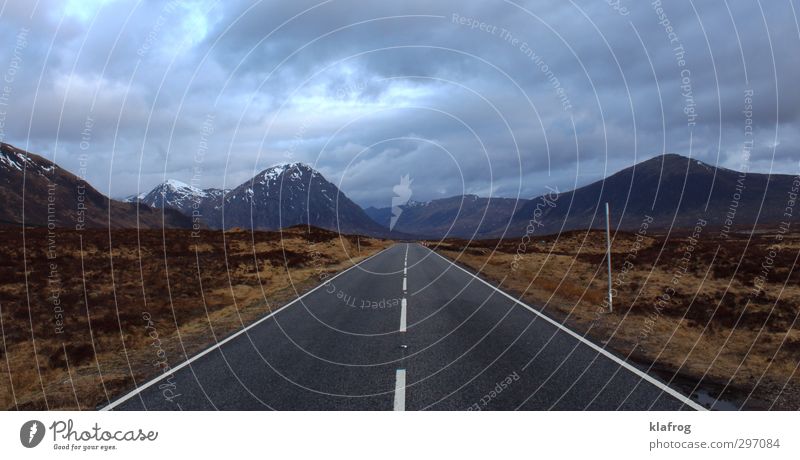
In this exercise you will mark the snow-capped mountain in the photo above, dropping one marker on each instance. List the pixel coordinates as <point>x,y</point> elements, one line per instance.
<point>178,195</point>
<point>37,192</point>
<point>291,194</point>
<point>215,192</point>
<point>278,197</point>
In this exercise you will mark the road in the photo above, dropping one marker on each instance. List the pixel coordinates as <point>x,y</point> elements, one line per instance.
<point>405,330</point>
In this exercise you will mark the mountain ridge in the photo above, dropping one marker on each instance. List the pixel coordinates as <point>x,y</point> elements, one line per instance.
<point>37,192</point>
<point>290,194</point>
<point>462,216</point>
<point>673,189</point>
<point>676,191</point>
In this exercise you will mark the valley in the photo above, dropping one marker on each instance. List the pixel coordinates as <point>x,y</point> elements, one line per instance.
<point>704,259</point>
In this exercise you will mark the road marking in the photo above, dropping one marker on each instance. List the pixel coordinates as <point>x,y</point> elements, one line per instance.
<point>403,315</point>
<point>400,378</point>
<point>404,302</point>
<point>400,390</point>
<point>662,386</point>
<point>208,350</point>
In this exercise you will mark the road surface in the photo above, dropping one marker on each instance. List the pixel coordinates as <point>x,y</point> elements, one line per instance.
<point>405,330</point>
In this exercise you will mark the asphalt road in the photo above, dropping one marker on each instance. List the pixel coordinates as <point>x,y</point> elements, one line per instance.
<point>405,330</point>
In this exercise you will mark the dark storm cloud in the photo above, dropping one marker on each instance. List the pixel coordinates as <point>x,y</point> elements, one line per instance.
<point>497,98</point>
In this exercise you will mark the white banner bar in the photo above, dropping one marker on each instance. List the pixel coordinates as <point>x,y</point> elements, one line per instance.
<point>395,435</point>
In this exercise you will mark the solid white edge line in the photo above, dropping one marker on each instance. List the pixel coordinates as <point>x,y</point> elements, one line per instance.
<point>208,350</point>
<point>676,394</point>
<point>400,390</point>
<point>403,304</point>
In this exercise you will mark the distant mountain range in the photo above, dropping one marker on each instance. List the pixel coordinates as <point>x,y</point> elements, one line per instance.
<point>182,197</point>
<point>464,216</point>
<point>287,195</point>
<point>36,192</point>
<point>278,197</point>
<point>673,190</point>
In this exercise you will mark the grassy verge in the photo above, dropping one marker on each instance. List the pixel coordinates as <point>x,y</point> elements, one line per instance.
<point>85,313</point>
<point>703,313</point>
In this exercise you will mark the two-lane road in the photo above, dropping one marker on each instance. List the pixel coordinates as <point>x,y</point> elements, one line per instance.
<point>406,330</point>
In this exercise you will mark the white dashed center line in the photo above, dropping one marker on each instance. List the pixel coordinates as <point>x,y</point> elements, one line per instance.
<point>400,379</point>
<point>400,390</point>
<point>403,315</point>
<point>404,302</point>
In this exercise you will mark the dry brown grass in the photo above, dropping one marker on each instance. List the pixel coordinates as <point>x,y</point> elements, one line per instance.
<point>193,291</point>
<point>714,331</point>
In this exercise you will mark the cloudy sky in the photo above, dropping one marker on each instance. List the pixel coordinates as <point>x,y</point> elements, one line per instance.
<point>495,98</point>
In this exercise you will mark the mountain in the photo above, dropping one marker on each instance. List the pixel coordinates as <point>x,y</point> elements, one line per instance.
<point>287,195</point>
<point>674,190</point>
<point>381,216</point>
<point>37,192</point>
<point>183,197</point>
<point>463,216</point>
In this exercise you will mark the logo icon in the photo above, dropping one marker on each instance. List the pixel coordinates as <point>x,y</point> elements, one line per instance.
<point>31,433</point>
<point>402,193</point>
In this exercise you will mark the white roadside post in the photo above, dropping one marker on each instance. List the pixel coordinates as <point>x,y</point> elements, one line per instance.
<point>608,257</point>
